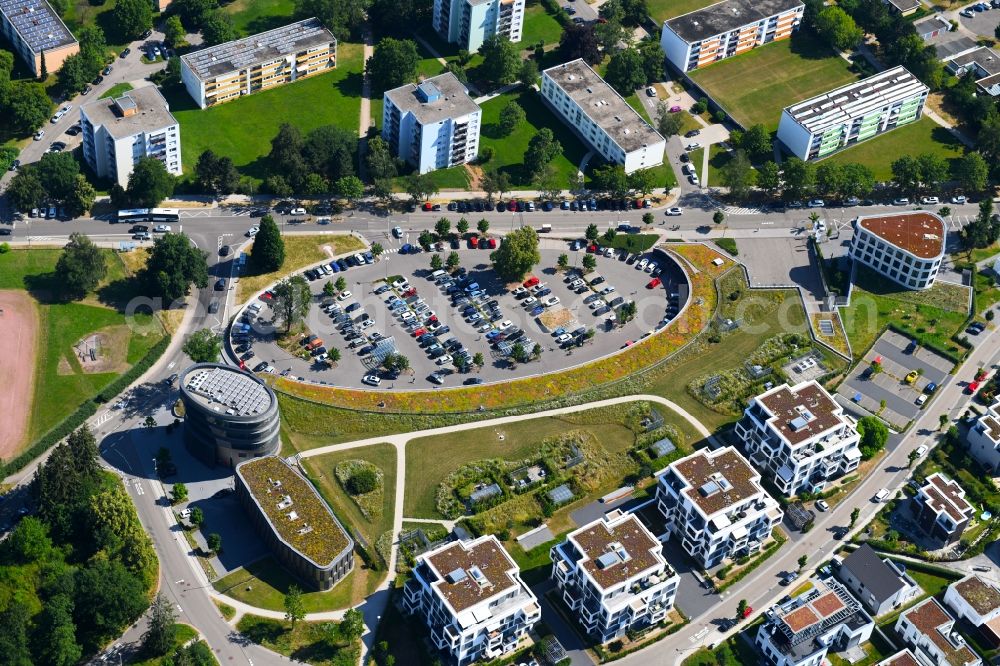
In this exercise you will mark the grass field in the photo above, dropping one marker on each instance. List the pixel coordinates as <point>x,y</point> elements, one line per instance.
<point>308,642</point>
<point>923,136</point>
<point>782,72</point>
<point>539,26</point>
<point>300,251</point>
<point>117,90</point>
<point>243,128</point>
<point>253,16</point>
<point>661,10</point>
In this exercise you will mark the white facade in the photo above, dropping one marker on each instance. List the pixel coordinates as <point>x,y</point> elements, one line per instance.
<point>471,596</point>
<point>853,113</point>
<point>613,577</point>
<point>469,23</point>
<point>117,133</point>
<point>727,28</point>
<point>879,583</point>
<point>975,600</point>
<point>929,631</point>
<point>433,125</point>
<point>715,507</point>
<point>799,437</point>
<point>905,247</point>
<point>601,117</point>
<point>984,438</point>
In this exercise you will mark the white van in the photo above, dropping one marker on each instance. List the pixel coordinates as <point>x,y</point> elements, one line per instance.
<point>546,228</point>
<point>438,274</point>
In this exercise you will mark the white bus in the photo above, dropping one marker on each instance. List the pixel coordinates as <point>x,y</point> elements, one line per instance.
<point>133,215</point>
<point>164,215</point>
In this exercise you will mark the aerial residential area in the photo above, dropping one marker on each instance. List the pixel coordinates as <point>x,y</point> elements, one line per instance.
<point>530,332</point>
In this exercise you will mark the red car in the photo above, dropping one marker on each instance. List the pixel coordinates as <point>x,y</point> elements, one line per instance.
<point>531,282</point>
<point>493,243</point>
<point>417,333</point>
<point>972,388</point>
<point>748,612</point>
<point>267,296</point>
<point>432,319</point>
<point>511,206</point>
<point>591,248</point>
<point>638,203</point>
<point>412,291</point>
<point>428,206</point>
<point>473,242</point>
<point>653,284</point>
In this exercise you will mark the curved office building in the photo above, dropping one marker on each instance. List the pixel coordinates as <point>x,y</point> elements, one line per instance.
<point>229,415</point>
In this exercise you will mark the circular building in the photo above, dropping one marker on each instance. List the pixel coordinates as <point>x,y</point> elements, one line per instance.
<point>229,415</point>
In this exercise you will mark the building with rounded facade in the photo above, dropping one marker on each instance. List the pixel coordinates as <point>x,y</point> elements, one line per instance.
<point>229,415</point>
<point>905,247</point>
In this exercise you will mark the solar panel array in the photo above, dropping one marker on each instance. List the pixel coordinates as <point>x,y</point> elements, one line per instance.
<point>231,388</point>
<point>37,23</point>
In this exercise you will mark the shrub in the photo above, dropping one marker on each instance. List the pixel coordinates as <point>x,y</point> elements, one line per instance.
<point>363,481</point>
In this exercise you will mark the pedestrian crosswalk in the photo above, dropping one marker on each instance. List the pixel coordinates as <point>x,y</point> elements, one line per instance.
<point>39,239</point>
<point>741,210</point>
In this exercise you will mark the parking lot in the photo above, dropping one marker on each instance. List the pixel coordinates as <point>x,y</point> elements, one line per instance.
<point>441,323</point>
<point>897,359</point>
<point>981,23</point>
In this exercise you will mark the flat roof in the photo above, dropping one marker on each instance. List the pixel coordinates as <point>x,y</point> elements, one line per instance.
<point>294,509</point>
<point>921,233</point>
<point>726,16</point>
<point>238,54</point>
<point>717,479</point>
<point>470,572</point>
<point>928,618</point>
<point>801,412</point>
<point>980,595</point>
<point>452,99</point>
<point>991,423</point>
<point>228,390</point>
<point>616,550</point>
<point>603,105</point>
<point>944,494</point>
<point>37,23</point>
<point>152,112</point>
<point>855,100</point>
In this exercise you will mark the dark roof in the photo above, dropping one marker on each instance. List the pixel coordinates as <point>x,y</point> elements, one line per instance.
<point>877,577</point>
<point>726,16</point>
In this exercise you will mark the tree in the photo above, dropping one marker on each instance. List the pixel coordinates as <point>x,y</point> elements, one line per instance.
<point>174,32</point>
<point>906,173</point>
<point>26,106</point>
<point>442,227</point>
<point>197,516</point>
<point>543,147</point>
<point>802,562</point>
<point>329,289</point>
<point>548,182</point>
<point>193,12</point>
<point>527,72</point>
<point>839,30</point>
<point>739,176</point>
<point>420,186</point>
<point>82,198</point>
<point>150,183</point>
<point>799,177</point>
<point>478,359</point>
<point>216,175</point>
<point>718,217</point>
<point>436,262</point>
<point>668,124</point>
<point>453,261</point>
<point>351,626</point>
<point>58,172</point>
<point>741,608</point>
<point>393,63</point>
<point>342,17</point>
<point>291,301</point>
<point>610,178</point>
<point>858,180</point>
<point>363,481</point>
<point>25,190</point>
<point>855,514</point>
<point>377,250</point>
<point>218,28</point>
<point>108,598</point>
<point>500,60</point>
<point>175,264</point>
<point>159,636</point>
<point>132,18</point>
<point>59,646</point>
<point>562,263</point>
<point>517,254</point>
<point>579,41</point>
<point>911,458</point>
<point>483,226</point>
<point>652,61</point>
<point>81,267</point>
<point>268,251</point>
<point>625,72</point>
<point>462,227</point>
<point>648,219</point>
<point>179,493</point>
<point>642,181</point>
<point>933,170</point>
<point>769,177</point>
<point>397,17</point>
<point>874,435</point>
<point>214,542</point>
<point>350,188</point>
<point>380,160</point>
<point>972,172</point>
<point>589,263</point>
<point>756,141</point>
<point>511,117</point>
<point>830,179</point>
<point>203,346</point>
<point>494,181</point>
<point>294,608</point>
<point>591,232</point>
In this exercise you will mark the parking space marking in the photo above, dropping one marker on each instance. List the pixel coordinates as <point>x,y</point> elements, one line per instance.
<point>102,418</point>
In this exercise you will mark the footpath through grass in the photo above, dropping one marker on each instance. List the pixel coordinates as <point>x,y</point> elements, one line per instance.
<point>923,136</point>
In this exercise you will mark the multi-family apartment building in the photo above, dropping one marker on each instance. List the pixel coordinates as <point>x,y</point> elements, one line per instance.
<point>984,438</point>
<point>471,596</point>
<point>715,507</point>
<point>984,64</point>
<point>224,72</point>
<point>37,34</point>
<point>929,631</point>
<point>907,248</point>
<point>853,113</point>
<point>727,28</point>
<point>601,117</point>
<point>941,510</point>
<point>469,23</point>
<point>977,601</point>
<point>613,577</point>
<point>801,631</point>
<point>799,437</point>
<point>118,132</point>
<point>432,125</point>
<point>879,583</point>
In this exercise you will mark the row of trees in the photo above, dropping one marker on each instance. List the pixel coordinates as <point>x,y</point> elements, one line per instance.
<point>24,105</point>
<point>81,68</point>
<point>55,179</point>
<point>204,16</point>
<point>319,163</point>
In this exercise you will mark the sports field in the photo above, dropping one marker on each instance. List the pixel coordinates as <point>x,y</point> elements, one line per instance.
<point>19,331</point>
<point>754,87</point>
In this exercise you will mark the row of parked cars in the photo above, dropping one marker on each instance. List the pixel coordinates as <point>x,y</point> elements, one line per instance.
<point>971,10</point>
<point>339,265</point>
<point>518,206</point>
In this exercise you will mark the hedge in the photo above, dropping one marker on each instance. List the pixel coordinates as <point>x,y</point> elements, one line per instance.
<point>779,541</point>
<point>87,409</point>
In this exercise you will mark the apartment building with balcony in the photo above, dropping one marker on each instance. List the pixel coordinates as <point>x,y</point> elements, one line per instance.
<point>929,631</point>
<point>977,601</point>
<point>715,507</point>
<point>984,438</point>
<point>727,28</point>
<point>34,31</point>
<point>799,437</point>
<point>613,577</point>
<point>118,132</point>
<point>244,66</point>
<point>853,113</point>
<point>432,125</point>
<point>601,117</point>
<point>801,631</point>
<point>469,23</point>
<point>907,248</point>
<point>941,510</point>
<point>472,599</point>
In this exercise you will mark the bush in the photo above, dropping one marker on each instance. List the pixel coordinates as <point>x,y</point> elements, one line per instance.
<point>363,481</point>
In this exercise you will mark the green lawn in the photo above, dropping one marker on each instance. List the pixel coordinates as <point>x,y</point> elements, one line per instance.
<point>661,10</point>
<point>182,635</point>
<point>923,136</point>
<point>243,128</point>
<point>718,157</point>
<point>539,26</point>
<point>307,643</point>
<point>782,73</point>
<point>509,150</point>
<point>253,16</point>
<point>117,90</point>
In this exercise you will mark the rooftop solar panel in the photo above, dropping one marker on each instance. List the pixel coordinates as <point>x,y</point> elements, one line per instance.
<point>37,24</point>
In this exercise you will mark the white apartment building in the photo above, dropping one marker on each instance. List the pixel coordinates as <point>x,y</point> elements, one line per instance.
<point>35,33</point>
<point>118,132</point>
<point>905,247</point>
<point>929,631</point>
<point>601,117</point>
<point>469,23</point>
<point>243,66</point>
<point>799,437</point>
<point>714,505</point>
<point>853,113</point>
<point>432,125</point>
<point>726,29</point>
<point>613,577</point>
<point>802,630</point>
<point>976,601</point>
<point>471,596</point>
<point>984,438</point>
